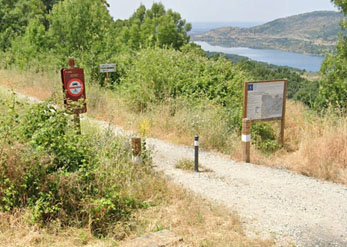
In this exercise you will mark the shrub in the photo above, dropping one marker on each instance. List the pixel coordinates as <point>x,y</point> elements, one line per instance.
<point>264,138</point>
<point>158,74</point>
<point>58,174</point>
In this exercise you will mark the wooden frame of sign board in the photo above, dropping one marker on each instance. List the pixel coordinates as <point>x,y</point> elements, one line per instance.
<point>282,118</point>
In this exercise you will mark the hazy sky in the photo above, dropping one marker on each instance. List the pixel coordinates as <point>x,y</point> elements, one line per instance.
<point>225,10</point>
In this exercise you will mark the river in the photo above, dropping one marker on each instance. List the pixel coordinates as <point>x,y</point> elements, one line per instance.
<point>277,57</point>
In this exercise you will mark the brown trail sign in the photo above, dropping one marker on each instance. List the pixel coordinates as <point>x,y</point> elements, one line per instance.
<point>262,101</point>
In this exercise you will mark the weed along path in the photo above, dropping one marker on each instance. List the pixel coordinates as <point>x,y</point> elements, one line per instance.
<point>295,210</point>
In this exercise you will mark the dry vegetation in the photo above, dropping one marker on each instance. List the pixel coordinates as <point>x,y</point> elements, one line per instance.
<point>198,221</point>
<point>314,146</point>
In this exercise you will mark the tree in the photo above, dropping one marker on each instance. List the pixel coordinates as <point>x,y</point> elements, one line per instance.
<point>49,4</point>
<point>15,16</point>
<point>78,26</point>
<point>333,86</point>
<point>154,27</point>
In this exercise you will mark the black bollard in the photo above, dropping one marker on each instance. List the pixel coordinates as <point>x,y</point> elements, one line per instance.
<point>196,144</point>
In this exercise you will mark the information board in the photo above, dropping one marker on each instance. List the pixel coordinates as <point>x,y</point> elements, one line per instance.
<point>105,68</point>
<point>264,100</point>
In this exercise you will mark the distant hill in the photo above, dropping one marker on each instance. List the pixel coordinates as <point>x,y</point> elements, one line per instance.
<point>203,27</point>
<point>309,33</point>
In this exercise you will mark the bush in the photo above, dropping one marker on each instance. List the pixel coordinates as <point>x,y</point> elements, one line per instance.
<point>78,179</point>
<point>264,138</point>
<point>159,74</point>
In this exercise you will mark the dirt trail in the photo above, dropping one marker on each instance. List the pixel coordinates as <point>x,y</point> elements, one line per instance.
<point>294,209</point>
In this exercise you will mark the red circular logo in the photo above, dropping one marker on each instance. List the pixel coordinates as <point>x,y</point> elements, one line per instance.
<point>75,87</point>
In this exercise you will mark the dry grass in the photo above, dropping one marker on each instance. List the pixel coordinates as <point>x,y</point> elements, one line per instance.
<point>198,221</point>
<point>189,165</point>
<point>16,230</point>
<point>314,146</point>
<point>321,147</point>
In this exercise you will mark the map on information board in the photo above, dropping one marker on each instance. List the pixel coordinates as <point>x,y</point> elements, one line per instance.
<point>265,100</point>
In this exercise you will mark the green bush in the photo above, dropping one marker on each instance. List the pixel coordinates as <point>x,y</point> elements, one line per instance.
<point>264,138</point>
<point>79,179</point>
<point>158,74</point>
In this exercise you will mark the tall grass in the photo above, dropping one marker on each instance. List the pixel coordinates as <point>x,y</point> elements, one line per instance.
<point>321,149</point>
<point>50,198</point>
<point>315,145</point>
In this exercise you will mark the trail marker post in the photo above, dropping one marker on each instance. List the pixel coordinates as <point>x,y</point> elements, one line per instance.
<point>246,140</point>
<point>136,150</point>
<point>262,101</point>
<point>107,68</point>
<point>196,156</point>
<point>74,91</point>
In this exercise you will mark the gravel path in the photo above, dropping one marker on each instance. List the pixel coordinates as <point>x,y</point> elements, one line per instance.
<point>294,209</point>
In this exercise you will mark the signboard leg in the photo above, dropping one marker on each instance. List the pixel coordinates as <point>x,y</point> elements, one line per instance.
<point>281,139</point>
<point>107,77</point>
<point>246,140</point>
<point>77,121</point>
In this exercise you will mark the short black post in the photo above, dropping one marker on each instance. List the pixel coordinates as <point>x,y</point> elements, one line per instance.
<point>196,144</point>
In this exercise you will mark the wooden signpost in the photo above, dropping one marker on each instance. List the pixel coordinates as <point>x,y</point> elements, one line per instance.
<point>74,91</point>
<point>262,101</point>
<point>136,149</point>
<point>107,68</point>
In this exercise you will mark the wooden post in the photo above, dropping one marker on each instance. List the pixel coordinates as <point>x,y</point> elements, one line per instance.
<point>77,122</point>
<point>71,62</point>
<point>246,140</point>
<point>136,149</point>
<point>107,78</point>
<point>77,119</point>
<point>281,136</point>
<point>245,98</point>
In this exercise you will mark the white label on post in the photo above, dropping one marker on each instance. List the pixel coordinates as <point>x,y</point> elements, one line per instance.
<point>246,138</point>
<point>113,65</point>
<point>107,70</point>
<point>196,143</point>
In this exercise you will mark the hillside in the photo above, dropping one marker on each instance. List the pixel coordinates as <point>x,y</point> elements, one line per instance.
<point>309,33</point>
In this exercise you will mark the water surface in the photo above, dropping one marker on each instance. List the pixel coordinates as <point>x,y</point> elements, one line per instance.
<point>277,57</point>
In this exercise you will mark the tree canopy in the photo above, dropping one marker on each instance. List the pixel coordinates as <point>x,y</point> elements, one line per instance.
<point>333,86</point>
<point>154,27</point>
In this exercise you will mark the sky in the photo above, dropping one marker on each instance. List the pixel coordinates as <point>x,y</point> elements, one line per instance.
<point>225,10</point>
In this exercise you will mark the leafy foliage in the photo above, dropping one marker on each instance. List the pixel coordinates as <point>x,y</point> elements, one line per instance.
<point>155,62</point>
<point>333,86</point>
<point>78,27</point>
<point>178,74</point>
<point>154,27</point>
<point>264,138</point>
<point>46,166</point>
<point>15,16</point>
